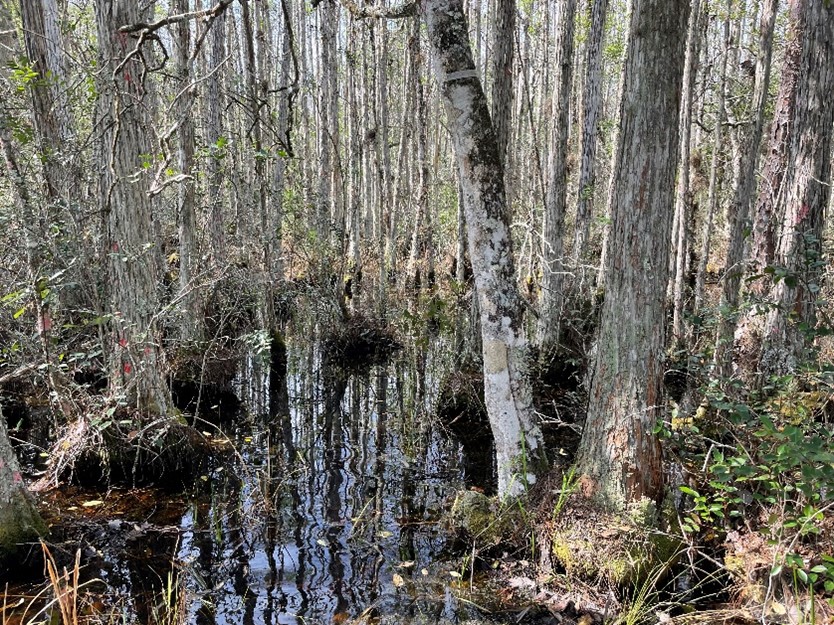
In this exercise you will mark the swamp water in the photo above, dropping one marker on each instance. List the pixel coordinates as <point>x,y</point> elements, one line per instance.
<point>327,503</point>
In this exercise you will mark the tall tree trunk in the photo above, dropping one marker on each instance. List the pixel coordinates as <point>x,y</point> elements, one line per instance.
<point>215,140</point>
<point>507,394</point>
<point>503,39</point>
<point>30,221</point>
<point>288,90</point>
<point>742,196</point>
<point>19,518</point>
<point>552,298</point>
<point>191,326</point>
<point>328,129</point>
<point>591,108</point>
<point>683,198</point>
<point>402,186</point>
<point>619,456</point>
<point>51,113</point>
<point>382,147</point>
<point>135,258</point>
<point>712,189</point>
<point>790,325</point>
<point>421,191</point>
<point>771,191</point>
<point>49,103</point>
<point>258,85</point>
<point>355,145</point>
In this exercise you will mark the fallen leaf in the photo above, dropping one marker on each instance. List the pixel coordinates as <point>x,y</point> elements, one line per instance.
<point>384,534</point>
<point>407,564</point>
<point>521,582</point>
<point>454,574</point>
<point>399,582</point>
<point>92,503</point>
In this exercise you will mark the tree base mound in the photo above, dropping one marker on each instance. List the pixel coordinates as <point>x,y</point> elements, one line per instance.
<point>128,452</point>
<point>202,382</point>
<point>627,549</point>
<point>359,343</point>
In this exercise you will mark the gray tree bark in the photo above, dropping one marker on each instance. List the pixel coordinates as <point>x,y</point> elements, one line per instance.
<point>136,372</point>
<point>503,40</point>
<point>552,298</point>
<point>683,199</point>
<point>420,200</point>
<point>743,193</point>
<point>49,103</point>
<point>790,325</point>
<point>215,139</point>
<point>19,518</point>
<point>591,107</point>
<point>712,190</point>
<point>191,326</point>
<point>328,126</point>
<point>619,456</point>
<point>771,190</point>
<point>30,220</point>
<point>403,183</point>
<point>20,521</point>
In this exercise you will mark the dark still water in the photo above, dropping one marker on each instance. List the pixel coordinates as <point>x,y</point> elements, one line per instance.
<point>328,504</point>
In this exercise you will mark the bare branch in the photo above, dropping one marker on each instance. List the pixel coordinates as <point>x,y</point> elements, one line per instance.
<point>407,9</point>
<point>157,187</point>
<point>146,27</point>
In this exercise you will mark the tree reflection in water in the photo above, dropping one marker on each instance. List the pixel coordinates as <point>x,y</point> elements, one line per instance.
<point>345,480</point>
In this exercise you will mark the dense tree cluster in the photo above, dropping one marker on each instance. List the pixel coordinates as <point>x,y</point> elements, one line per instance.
<point>661,166</point>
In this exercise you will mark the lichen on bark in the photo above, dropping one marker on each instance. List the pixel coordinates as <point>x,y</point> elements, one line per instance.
<point>507,394</point>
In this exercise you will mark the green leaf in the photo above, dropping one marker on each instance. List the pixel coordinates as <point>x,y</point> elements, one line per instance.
<point>19,312</point>
<point>11,297</point>
<point>776,570</point>
<point>688,491</point>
